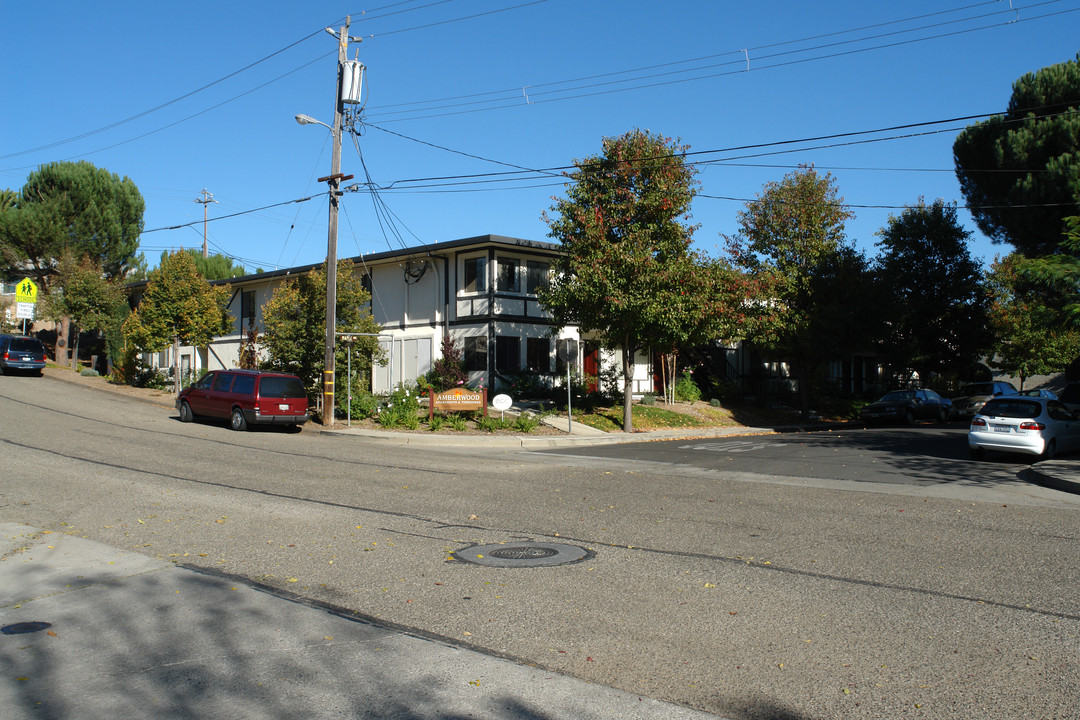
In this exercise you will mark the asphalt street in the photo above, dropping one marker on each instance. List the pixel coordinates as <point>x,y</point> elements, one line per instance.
<point>735,592</point>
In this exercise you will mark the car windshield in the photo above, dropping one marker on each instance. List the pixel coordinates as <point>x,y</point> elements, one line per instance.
<point>898,396</point>
<point>977,389</point>
<point>281,387</point>
<point>1011,409</point>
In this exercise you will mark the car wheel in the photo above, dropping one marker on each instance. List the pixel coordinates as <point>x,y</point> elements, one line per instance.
<point>976,453</point>
<point>909,417</point>
<point>185,412</point>
<point>237,420</point>
<point>1050,452</point>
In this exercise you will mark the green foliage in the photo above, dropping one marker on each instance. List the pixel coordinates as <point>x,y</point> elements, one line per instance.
<point>930,296</point>
<point>526,422</point>
<point>490,423</point>
<point>627,272</point>
<point>436,422</point>
<point>457,422</point>
<point>72,208</point>
<point>1020,172</point>
<point>364,405</point>
<point>213,267</point>
<point>293,322</point>
<point>813,284</point>
<point>1030,335</point>
<point>400,409</point>
<point>648,399</point>
<point>686,390</point>
<point>81,292</point>
<point>178,306</point>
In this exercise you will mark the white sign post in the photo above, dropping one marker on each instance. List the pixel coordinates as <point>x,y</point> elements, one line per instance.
<point>501,403</point>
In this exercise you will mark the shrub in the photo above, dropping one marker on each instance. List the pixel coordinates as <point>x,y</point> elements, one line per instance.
<point>686,389</point>
<point>400,409</point>
<point>436,423</point>
<point>364,405</point>
<point>448,371</point>
<point>89,372</point>
<point>526,423</point>
<point>648,399</point>
<point>490,424</point>
<point>457,421</point>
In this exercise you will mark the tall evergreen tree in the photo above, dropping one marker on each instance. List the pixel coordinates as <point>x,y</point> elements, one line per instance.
<point>1020,171</point>
<point>932,296</point>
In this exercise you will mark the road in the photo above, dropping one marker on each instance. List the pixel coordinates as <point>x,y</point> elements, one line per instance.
<point>773,585</point>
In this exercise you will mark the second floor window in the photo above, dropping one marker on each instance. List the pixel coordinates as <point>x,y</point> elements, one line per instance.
<point>475,275</point>
<point>537,276</point>
<point>507,280</point>
<point>247,307</point>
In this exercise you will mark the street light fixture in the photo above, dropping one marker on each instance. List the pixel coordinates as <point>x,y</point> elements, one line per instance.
<point>308,120</point>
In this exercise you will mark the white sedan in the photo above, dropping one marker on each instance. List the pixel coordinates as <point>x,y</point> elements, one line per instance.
<point>1036,426</point>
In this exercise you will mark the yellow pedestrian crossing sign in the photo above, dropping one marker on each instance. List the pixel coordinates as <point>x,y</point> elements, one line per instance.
<point>26,291</point>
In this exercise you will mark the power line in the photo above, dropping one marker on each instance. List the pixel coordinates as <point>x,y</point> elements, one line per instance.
<point>163,105</point>
<point>540,97</point>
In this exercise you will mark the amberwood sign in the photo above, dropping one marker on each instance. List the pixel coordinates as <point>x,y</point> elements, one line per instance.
<point>458,400</point>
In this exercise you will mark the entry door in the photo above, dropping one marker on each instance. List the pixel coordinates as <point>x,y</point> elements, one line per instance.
<point>592,364</point>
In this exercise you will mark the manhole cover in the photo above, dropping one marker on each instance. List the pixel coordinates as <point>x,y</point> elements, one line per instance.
<point>523,554</point>
<point>24,627</point>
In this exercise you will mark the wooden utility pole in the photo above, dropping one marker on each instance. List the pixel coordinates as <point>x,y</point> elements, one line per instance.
<point>206,199</point>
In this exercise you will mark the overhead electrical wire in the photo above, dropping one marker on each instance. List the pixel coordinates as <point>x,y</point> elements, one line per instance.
<point>168,103</point>
<point>540,97</point>
<point>516,91</point>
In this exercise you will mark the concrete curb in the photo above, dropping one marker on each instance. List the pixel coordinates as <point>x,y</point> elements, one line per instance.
<point>1057,474</point>
<point>538,442</point>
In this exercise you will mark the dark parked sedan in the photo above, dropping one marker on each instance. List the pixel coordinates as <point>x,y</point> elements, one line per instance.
<point>907,406</point>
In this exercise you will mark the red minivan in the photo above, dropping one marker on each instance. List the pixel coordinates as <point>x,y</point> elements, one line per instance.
<point>246,397</point>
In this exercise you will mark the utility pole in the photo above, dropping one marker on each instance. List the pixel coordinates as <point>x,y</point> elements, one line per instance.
<point>206,199</point>
<point>334,181</point>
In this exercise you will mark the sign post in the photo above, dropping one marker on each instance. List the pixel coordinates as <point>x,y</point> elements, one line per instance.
<point>567,352</point>
<point>25,299</point>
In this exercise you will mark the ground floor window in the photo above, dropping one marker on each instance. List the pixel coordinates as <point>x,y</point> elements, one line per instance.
<point>475,353</point>
<point>507,354</point>
<point>538,355</point>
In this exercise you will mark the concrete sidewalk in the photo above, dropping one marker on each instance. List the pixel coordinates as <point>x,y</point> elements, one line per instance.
<point>88,631</point>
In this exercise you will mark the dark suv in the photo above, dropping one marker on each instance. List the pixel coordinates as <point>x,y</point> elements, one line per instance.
<point>18,352</point>
<point>246,397</point>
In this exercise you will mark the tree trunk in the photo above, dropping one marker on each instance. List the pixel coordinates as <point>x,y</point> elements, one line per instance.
<point>74,347</point>
<point>63,327</point>
<point>628,386</point>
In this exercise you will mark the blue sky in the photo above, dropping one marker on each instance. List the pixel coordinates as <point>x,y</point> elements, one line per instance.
<point>181,97</point>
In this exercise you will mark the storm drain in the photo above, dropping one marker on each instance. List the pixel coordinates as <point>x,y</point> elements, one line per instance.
<point>523,554</point>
